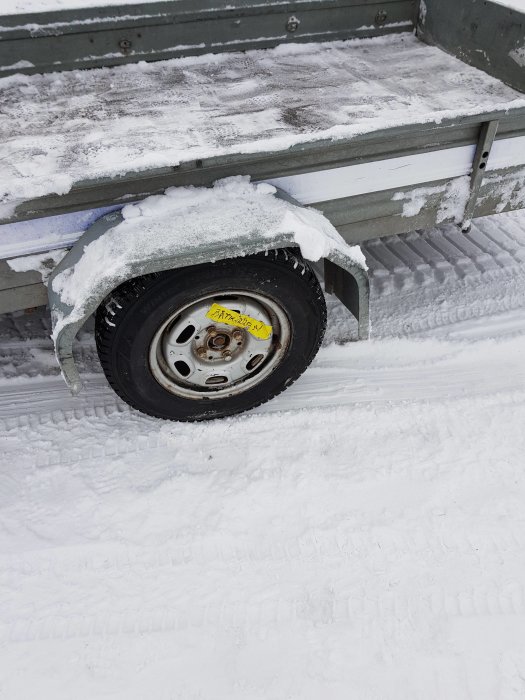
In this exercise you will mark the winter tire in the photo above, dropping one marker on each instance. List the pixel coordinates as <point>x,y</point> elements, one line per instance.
<point>163,355</point>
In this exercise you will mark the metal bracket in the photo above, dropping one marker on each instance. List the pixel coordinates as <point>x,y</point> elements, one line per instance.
<point>352,291</point>
<point>479,165</point>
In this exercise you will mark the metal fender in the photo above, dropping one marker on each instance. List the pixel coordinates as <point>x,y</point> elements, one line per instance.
<point>344,277</point>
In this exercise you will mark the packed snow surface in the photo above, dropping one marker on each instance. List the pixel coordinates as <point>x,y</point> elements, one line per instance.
<point>213,218</point>
<point>361,536</point>
<point>58,129</point>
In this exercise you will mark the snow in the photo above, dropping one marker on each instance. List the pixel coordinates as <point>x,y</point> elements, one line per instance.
<point>18,7</point>
<point>44,263</point>
<point>518,5</point>
<point>454,197</point>
<point>457,194</point>
<point>233,209</point>
<point>518,55</point>
<point>422,12</point>
<point>510,187</point>
<point>19,65</point>
<point>360,536</point>
<point>62,128</point>
<point>415,200</point>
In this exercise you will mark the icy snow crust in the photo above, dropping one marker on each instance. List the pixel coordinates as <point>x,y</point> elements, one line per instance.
<point>58,129</point>
<point>224,216</point>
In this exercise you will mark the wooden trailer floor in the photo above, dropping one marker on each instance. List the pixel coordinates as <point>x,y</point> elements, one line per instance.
<point>58,129</point>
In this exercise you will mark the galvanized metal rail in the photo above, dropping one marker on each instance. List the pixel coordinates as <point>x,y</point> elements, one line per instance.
<point>360,217</point>
<point>112,35</point>
<point>484,34</point>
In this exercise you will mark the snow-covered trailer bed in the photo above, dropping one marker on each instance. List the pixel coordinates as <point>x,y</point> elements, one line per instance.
<point>382,132</point>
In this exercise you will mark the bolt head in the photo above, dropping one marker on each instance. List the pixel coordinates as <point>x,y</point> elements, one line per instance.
<point>292,25</point>
<point>381,17</point>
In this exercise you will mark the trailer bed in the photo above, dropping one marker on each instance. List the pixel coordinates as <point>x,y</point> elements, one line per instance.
<point>58,130</point>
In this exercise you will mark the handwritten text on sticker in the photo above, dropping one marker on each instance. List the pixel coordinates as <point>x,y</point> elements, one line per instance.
<point>221,314</point>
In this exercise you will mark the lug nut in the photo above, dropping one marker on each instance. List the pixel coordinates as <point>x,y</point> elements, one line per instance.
<point>237,335</point>
<point>212,331</point>
<point>201,352</point>
<point>227,355</point>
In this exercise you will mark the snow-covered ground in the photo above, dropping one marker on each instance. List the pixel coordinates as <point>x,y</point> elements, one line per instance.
<point>361,536</point>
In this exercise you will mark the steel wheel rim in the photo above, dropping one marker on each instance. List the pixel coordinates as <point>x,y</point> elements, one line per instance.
<point>234,362</point>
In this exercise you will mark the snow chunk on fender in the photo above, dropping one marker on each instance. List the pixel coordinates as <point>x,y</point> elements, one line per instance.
<point>184,226</point>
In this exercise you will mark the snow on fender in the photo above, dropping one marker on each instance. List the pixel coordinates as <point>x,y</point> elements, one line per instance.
<point>182,227</point>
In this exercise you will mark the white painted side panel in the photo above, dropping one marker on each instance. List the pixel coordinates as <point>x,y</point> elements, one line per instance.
<point>375,176</point>
<point>48,233</point>
<point>507,153</point>
<point>378,175</point>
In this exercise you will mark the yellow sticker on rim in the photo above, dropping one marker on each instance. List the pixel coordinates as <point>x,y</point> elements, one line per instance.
<point>220,314</point>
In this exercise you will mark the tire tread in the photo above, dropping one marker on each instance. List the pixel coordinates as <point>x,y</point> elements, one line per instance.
<point>116,304</point>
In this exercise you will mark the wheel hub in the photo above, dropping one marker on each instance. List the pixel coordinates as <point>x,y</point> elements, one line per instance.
<point>192,358</point>
<point>218,340</point>
<point>219,344</point>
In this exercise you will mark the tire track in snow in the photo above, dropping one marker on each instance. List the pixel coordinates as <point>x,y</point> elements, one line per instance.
<point>494,243</point>
<point>330,383</point>
<point>47,399</point>
<point>313,546</point>
<point>437,605</point>
<point>424,280</point>
<point>345,375</point>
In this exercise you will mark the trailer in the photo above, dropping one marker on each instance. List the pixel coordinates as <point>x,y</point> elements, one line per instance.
<point>180,169</point>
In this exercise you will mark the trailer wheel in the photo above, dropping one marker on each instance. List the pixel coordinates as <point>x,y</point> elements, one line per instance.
<point>163,355</point>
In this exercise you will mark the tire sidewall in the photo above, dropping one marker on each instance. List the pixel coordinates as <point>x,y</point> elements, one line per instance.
<point>174,290</point>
